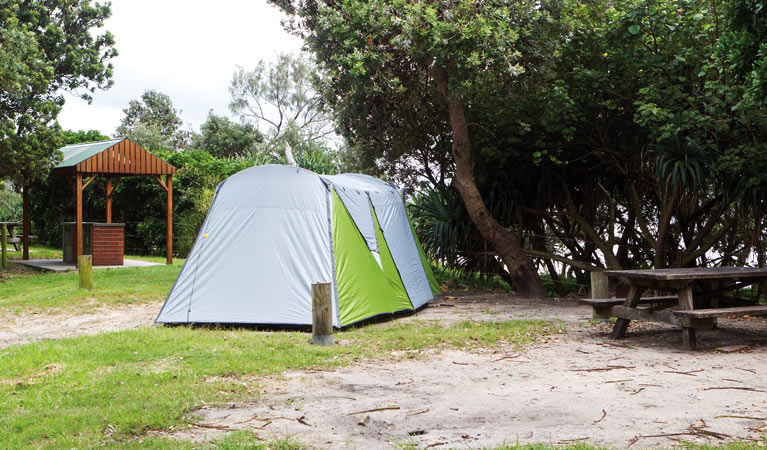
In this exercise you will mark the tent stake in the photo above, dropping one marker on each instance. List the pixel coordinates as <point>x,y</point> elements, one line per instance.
<point>322,321</point>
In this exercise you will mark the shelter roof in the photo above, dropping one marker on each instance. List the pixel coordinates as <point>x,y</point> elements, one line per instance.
<point>115,156</point>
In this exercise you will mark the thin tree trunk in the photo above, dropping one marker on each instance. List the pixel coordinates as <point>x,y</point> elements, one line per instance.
<point>520,267</point>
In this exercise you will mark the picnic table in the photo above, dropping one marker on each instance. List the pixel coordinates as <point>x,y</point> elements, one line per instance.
<point>699,298</point>
<point>12,238</point>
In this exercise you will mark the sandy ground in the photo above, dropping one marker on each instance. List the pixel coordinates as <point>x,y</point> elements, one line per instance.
<point>33,327</point>
<point>575,386</point>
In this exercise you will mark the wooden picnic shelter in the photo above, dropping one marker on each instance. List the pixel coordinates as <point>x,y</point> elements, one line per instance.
<point>111,160</point>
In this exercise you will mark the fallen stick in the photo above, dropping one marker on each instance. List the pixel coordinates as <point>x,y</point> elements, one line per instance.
<point>689,372</point>
<point>740,417</point>
<point>217,427</point>
<point>737,388</point>
<point>460,363</point>
<point>572,440</point>
<point>602,369</point>
<point>746,370</point>
<point>637,391</point>
<point>604,414</point>
<point>701,432</point>
<point>253,418</point>
<point>373,410</point>
<point>419,412</point>
<point>619,381</point>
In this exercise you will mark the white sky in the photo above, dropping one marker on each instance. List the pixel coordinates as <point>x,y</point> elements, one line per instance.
<point>186,49</point>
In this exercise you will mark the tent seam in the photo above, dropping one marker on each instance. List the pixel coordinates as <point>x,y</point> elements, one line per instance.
<point>399,274</point>
<point>334,280</point>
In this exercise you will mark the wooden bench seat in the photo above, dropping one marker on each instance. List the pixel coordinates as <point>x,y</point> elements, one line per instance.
<point>603,307</point>
<point>756,310</point>
<point>602,302</point>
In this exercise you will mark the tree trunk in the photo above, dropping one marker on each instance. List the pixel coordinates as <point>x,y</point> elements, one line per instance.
<point>520,267</point>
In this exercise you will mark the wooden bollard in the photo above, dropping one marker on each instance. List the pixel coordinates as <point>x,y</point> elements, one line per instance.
<point>85,271</point>
<point>322,319</point>
<point>4,246</point>
<point>599,289</point>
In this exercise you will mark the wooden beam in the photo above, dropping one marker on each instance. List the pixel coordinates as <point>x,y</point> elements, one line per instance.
<point>162,183</point>
<point>25,220</point>
<point>86,183</point>
<point>3,247</point>
<point>622,324</point>
<point>169,219</point>
<point>685,304</point>
<point>109,199</point>
<point>78,244</point>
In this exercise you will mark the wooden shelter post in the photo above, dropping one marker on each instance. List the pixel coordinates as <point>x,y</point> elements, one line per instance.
<point>78,247</point>
<point>109,199</point>
<point>25,224</point>
<point>169,220</point>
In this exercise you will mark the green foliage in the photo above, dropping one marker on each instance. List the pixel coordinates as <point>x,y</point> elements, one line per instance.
<point>472,281</point>
<point>152,122</point>
<point>743,48</point>
<point>47,47</point>
<point>10,204</point>
<point>222,137</point>
<point>81,136</point>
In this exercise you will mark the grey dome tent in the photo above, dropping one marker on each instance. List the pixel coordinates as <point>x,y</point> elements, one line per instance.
<point>271,231</point>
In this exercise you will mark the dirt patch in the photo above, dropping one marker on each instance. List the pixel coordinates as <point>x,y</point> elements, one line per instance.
<point>579,386</point>
<point>33,327</point>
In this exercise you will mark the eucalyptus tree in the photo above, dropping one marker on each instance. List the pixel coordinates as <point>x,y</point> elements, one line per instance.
<point>280,96</point>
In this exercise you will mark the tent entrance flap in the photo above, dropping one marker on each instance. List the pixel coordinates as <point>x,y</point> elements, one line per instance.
<point>363,288</point>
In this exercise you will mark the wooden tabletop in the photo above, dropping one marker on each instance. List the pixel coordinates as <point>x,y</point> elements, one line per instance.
<point>685,274</point>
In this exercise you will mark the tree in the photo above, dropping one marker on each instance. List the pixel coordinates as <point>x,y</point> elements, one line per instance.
<point>80,136</point>
<point>280,95</point>
<point>743,48</point>
<point>153,122</point>
<point>222,137</point>
<point>434,58</point>
<point>47,47</point>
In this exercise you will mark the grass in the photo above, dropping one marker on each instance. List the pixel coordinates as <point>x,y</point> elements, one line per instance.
<point>26,290</point>
<point>36,252</point>
<point>114,388</point>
